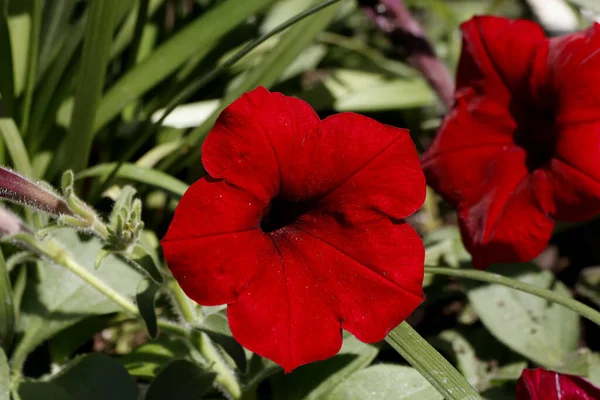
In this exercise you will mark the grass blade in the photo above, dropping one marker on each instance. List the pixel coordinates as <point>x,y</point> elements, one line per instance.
<point>7,307</point>
<point>265,74</point>
<point>7,88</point>
<point>14,142</point>
<point>55,27</point>
<point>195,40</point>
<point>138,174</point>
<point>96,52</point>
<point>32,63</point>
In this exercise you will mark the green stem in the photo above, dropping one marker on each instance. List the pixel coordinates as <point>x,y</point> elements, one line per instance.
<point>483,276</point>
<point>430,364</point>
<point>225,378</point>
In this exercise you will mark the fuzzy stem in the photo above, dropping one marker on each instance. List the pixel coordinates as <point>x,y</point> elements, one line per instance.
<point>483,276</point>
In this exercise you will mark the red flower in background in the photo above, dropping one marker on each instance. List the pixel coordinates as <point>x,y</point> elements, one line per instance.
<point>540,384</point>
<point>521,146</point>
<point>298,227</point>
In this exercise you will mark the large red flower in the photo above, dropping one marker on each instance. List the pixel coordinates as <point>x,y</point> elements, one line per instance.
<point>540,384</point>
<point>521,146</point>
<point>299,228</point>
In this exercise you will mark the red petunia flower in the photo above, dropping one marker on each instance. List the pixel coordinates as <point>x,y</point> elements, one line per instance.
<point>521,146</point>
<point>299,228</point>
<point>541,384</point>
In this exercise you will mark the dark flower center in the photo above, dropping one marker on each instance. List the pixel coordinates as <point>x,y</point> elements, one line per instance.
<point>282,213</point>
<point>536,135</point>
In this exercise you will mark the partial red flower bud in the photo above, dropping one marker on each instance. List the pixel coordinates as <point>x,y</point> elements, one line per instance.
<point>541,384</point>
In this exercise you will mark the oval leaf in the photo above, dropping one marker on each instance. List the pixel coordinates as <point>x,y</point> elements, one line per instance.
<point>385,382</point>
<point>541,331</point>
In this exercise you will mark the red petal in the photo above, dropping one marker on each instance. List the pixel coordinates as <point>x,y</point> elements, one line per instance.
<point>576,172</point>
<point>213,246</point>
<point>540,384</point>
<point>497,55</point>
<point>372,272</point>
<point>574,62</point>
<point>241,147</point>
<point>374,167</point>
<point>366,279</point>
<point>282,314</point>
<point>473,134</point>
<point>509,222</point>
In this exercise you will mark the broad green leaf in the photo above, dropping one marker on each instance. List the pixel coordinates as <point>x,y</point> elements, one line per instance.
<point>509,372</point>
<point>96,377</point>
<point>217,328</point>
<point>588,284</point>
<point>591,5</point>
<point>138,174</point>
<point>7,89</point>
<point>584,363</point>
<point>385,381</point>
<point>146,360</point>
<point>13,141</point>
<point>95,57</point>
<point>314,381</point>
<point>61,298</point>
<point>473,369</point>
<point>541,331</point>
<point>279,13</point>
<point>145,298</point>
<point>4,377</point>
<point>195,40</point>
<point>444,246</point>
<point>29,390</point>
<point>7,307</point>
<point>270,68</point>
<point>182,380</point>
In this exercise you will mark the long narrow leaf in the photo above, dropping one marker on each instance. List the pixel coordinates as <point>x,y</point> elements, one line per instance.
<point>96,52</point>
<point>196,40</point>
<point>265,74</point>
<point>32,63</point>
<point>7,88</point>
<point>138,174</point>
<point>14,142</point>
<point>55,26</point>
<point>7,307</point>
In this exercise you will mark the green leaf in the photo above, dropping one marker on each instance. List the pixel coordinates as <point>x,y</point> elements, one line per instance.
<point>28,390</point>
<point>55,28</point>
<point>195,40</point>
<point>37,7</point>
<point>142,259</point>
<point>584,363</point>
<point>4,377</point>
<point>509,372</point>
<point>217,328</point>
<point>138,174</point>
<point>385,382</point>
<point>588,284</point>
<point>95,57</point>
<point>96,377</point>
<point>182,380</point>
<point>430,364</point>
<point>542,331</point>
<point>14,143</point>
<point>146,360</point>
<point>19,25</point>
<point>473,369</point>
<point>7,307</point>
<point>314,381</point>
<point>61,298</point>
<point>591,5</point>
<point>270,68</point>
<point>7,89</point>
<point>145,298</point>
